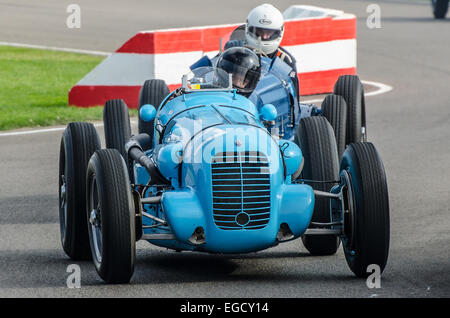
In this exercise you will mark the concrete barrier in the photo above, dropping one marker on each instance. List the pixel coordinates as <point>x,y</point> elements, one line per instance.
<point>323,41</point>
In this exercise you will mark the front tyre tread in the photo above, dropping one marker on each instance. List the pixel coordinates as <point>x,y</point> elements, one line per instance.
<point>117,216</point>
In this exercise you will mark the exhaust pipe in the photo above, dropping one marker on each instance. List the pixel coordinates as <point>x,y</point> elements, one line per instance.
<point>134,147</point>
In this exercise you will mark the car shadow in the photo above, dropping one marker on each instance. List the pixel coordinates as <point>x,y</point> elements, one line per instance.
<point>192,267</point>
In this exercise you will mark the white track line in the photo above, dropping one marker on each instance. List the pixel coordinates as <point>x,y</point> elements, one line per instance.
<point>44,130</point>
<point>52,48</point>
<point>382,89</point>
<point>38,131</point>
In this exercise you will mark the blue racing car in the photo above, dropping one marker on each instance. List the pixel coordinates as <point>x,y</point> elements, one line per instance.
<point>214,171</point>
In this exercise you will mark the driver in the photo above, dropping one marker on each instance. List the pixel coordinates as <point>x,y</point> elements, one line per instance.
<point>245,67</point>
<point>264,31</point>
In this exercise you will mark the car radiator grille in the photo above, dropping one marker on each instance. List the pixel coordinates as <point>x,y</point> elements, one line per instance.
<point>241,190</point>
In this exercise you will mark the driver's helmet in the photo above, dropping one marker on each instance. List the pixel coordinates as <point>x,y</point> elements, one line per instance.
<point>245,67</point>
<point>264,28</point>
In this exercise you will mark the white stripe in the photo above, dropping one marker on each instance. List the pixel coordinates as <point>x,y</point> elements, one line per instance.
<point>172,66</point>
<point>37,131</point>
<point>52,48</point>
<point>122,69</point>
<point>301,12</point>
<point>45,130</point>
<point>324,56</point>
<point>129,69</point>
<point>29,132</point>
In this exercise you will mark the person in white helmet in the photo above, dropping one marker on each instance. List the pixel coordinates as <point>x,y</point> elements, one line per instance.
<point>264,31</point>
<point>264,28</point>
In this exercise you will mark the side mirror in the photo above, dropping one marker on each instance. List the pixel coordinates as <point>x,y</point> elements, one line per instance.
<point>268,112</point>
<point>147,112</point>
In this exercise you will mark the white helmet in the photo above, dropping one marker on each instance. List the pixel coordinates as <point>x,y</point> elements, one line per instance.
<point>264,29</point>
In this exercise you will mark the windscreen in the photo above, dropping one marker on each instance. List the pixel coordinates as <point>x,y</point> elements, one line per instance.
<point>206,77</point>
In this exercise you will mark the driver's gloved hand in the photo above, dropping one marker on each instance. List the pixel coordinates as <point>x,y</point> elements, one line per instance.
<point>233,43</point>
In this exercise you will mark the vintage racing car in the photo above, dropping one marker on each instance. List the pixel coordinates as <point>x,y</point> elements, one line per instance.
<point>207,173</point>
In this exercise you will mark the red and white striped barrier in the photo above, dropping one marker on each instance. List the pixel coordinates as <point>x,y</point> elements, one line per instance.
<point>324,47</point>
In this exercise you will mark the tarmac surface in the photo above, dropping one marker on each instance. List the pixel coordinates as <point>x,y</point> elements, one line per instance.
<point>409,125</point>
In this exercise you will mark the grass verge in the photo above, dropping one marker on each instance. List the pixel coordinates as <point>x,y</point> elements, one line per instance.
<point>34,85</point>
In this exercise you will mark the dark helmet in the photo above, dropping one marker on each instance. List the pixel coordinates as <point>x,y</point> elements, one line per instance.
<point>245,67</point>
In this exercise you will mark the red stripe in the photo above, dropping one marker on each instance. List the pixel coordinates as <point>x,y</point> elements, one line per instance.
<point>323,81</point>
<point>140,43</point>
<point>318,30</point>
<point>208,39</point>
<point>84,96</point>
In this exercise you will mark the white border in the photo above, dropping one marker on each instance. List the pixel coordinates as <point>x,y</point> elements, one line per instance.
<point>53,48</point>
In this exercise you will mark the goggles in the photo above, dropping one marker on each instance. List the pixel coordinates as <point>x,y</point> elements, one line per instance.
<point>265,34</point>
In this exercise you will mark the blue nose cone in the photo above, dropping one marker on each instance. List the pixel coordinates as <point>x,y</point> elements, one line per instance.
<point>147,112</point>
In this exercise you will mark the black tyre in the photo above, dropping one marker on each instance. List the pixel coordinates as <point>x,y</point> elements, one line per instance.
<point>117,125</point>
<point>78,143</point>
<point>315,137</point>
<point>440,8</point>
<point>366,239</point>
<point>334,108</point>
<point>152,92</point>
<point>352,90</point>
<point>111,217</point>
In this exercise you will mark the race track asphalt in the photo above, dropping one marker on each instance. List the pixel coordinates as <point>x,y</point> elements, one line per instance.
<point>409,125</point>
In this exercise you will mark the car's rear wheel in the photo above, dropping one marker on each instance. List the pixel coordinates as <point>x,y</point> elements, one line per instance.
<point>366,225</point>
<point>111,216</point>
<point>78,143</point>
<point>315,137</point>
<point>152,92</point>
<point>440,8</point>
<point>334,109</point>
<point>117,125</point>
<point>352,90</point>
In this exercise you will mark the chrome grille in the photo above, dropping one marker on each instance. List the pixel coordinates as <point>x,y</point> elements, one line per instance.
<point>241,190</point>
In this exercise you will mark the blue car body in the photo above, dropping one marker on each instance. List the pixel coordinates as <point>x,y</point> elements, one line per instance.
<point>240,209</point>
<point>233,180</point>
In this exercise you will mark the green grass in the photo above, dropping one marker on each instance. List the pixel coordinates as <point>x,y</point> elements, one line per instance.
<point>34,85</point>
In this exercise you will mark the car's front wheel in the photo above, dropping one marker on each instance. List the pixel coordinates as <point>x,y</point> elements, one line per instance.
<point>111,216</point>
<point>366,221</point>
<point>78,143</point>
